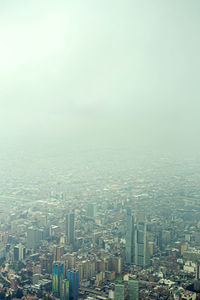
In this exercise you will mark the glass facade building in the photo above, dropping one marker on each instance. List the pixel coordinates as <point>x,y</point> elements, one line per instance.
<point>64,290</point>
<point>73,277</point>
<point>137,251</point>
<point>58,275</point>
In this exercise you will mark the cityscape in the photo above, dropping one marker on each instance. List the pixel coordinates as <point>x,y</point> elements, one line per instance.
<point>130,232</point>
<point>99,150</point>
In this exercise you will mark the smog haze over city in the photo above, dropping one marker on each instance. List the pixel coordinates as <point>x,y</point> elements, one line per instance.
<point>100,150</point>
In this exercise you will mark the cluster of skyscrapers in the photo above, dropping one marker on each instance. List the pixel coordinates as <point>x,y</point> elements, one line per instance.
<point>65,288</point>
<point>65,285</point>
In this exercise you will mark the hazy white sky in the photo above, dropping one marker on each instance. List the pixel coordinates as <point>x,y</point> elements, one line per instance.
<point>100,70</point>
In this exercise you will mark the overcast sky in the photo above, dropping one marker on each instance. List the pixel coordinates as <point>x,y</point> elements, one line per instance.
<point>100,71</point>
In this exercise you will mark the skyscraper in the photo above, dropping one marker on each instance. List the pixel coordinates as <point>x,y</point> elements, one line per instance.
<point>58,275</point>
<point>64,290</point>
<point>19,252</point>
<point>133,290</point>
<point>34,236</point>
<point>137,250</point>
<point>142,257</point>
<point>129,237</point>
<point>58,252</point>
<point>73,277</point>
<point>119,292</point>
<point>69,229</point>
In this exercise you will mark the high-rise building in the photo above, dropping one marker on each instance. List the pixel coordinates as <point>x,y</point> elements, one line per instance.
<point>115,264</point>
<point>69,229</point>
<point>119,292</point>
<point>58,252</point>
<point>198,271</point>
<point>142,257</point>
<point>46,263</point>
<point>19,252</point>
<point>69,260</point>
<point>86,269</point>
<point>58,276</point>
<point>34,236</point>
<point>73,277</point>
<point>91,210</point>
<point>137,248</point>
<point>133,290</point>
<point>197,278</point>
<point>64,290</point>
<point>129,237</point>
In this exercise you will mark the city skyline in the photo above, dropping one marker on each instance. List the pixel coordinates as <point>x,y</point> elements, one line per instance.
<point>100,150</point>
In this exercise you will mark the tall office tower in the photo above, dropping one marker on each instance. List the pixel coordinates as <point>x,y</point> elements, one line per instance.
<point>34,236</point>
<point>73,277</point>
<point>133,290</point>
<point>137,248</point>
<point>70,228</point>
<point>119,292</point>
<point>198,271</point>
<point>197,278</point>
<point>64,290</point>
<point>58,275</point>
<point>91,210</point>
<point>142,257</point>
<point>19,252</point>
<point>58,252</point>
<point>129,237</point>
